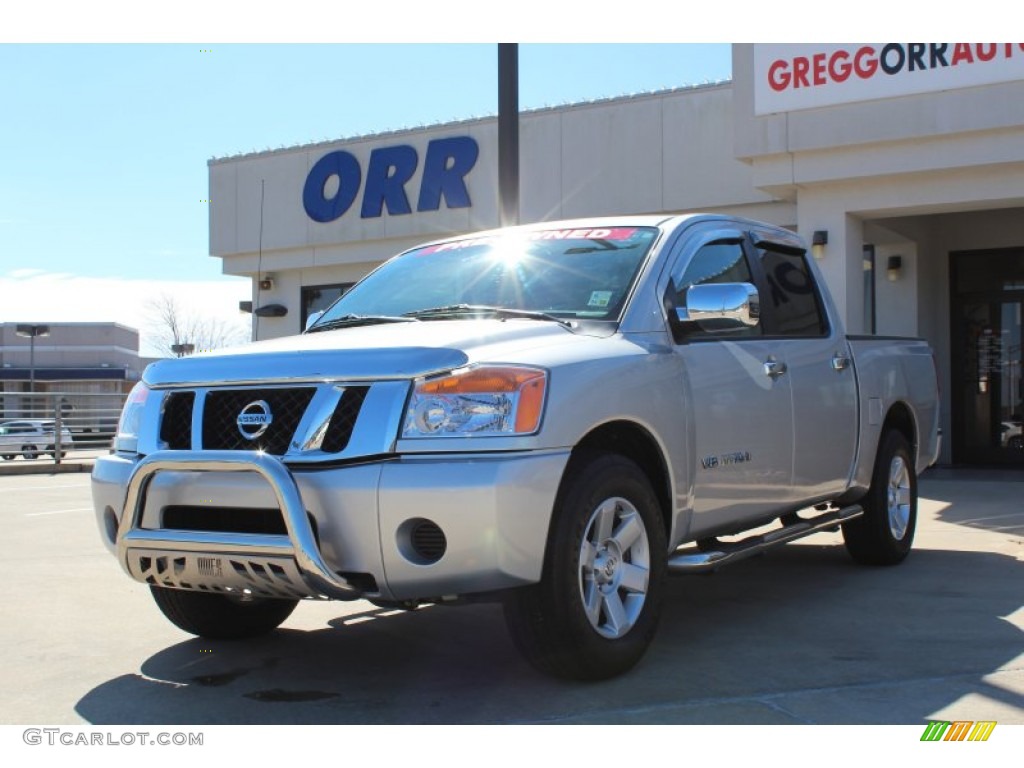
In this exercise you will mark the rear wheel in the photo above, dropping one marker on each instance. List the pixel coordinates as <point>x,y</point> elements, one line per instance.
<point>596,608</point>
<point>8,456</point>
<point>219,617</point>
<point>29,451</point>
<point>885,532</point>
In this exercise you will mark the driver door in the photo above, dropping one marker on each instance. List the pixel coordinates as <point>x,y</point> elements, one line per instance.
<point>741,399</point>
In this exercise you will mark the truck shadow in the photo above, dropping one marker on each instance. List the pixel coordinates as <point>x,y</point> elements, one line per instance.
<point>801,635</point>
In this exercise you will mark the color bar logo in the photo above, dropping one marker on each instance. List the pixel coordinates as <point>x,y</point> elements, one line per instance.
<point>958,730</point>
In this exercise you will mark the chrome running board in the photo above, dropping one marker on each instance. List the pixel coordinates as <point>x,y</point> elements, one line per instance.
<point>690,559</point>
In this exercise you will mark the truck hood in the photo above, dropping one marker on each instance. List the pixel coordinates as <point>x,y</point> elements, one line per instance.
<point>374,352</point>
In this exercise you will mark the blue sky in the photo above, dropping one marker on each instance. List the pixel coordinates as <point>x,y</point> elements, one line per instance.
<point>104,164</point>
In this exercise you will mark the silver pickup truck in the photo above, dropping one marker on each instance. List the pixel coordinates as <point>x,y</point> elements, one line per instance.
<point>555,416</point>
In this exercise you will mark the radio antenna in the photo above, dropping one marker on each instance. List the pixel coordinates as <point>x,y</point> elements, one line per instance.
<point>259,272</point>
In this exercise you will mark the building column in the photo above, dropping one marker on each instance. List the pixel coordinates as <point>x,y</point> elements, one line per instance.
<point>842,261</point>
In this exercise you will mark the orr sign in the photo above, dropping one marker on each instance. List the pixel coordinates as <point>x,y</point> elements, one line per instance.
<point>791,77</point>
<point>335,180</point>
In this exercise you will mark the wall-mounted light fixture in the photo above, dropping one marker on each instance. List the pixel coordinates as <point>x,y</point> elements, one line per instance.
<point>267,283</point>
<point>818,243</point>
<point>894,268</point>
<point>271,310</point>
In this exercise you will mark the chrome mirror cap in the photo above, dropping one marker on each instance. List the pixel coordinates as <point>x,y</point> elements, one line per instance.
<point>721,306</point>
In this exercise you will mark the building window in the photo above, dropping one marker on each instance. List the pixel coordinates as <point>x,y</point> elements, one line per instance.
<point>316,298</point>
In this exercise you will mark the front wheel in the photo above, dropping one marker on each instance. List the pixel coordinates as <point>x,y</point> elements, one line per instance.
<point>884,534</point>
<point>596,608</point>
<point>29,451</point>
<point>219,617</point>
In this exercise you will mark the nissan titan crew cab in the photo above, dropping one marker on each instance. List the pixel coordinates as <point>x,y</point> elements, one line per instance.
<point>555,416</point>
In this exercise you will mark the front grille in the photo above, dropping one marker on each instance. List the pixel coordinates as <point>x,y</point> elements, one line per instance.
<point>230,519</point>
<point>176,422</point>
<point>344,419</point>
<point>222,408</point>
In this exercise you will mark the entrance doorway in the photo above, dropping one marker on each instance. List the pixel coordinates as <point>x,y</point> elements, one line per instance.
<point>988,381</point>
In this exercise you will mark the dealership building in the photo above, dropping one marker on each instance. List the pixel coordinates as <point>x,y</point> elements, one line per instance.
<point>903,161</point>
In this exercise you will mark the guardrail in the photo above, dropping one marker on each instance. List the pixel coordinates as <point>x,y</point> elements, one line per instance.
<point>55,426</point>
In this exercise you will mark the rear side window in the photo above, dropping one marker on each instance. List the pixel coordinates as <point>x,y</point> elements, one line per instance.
<point>792,302</point>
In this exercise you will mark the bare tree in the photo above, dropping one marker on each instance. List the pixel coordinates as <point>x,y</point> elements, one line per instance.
<point>175,331</point>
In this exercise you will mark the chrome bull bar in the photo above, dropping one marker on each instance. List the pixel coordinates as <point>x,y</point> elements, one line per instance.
<point>298,547</point>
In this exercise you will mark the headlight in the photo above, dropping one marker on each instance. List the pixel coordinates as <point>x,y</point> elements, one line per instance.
<point>489,400</point>
<point>127,437</point>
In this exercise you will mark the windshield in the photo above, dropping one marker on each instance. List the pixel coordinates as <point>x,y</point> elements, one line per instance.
<point>581,274</point>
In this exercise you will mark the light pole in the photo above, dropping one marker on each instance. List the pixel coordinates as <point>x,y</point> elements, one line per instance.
<point>31,331</point>
<point>508,134</point>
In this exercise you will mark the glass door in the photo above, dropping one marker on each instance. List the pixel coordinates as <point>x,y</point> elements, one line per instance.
<point>988,386</point>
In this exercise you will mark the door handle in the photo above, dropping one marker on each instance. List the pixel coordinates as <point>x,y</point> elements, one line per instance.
<point>840,361</point>
<point>773,369</point>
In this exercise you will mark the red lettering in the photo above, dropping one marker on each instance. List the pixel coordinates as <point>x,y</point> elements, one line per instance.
<point>962,52</point>
<point>864,62</point>
<point>800,67</point>
<point>986,51</point>
<point>819,69</point>
<point>778,75</point>
<point>839,66</point>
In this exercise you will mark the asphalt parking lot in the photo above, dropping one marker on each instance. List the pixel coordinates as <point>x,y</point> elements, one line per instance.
<point>801,635</point>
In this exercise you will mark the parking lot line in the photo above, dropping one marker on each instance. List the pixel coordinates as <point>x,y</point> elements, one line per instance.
<point>58,512</point>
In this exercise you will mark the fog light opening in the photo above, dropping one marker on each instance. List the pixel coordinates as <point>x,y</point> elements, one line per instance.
<point>421,541</point>
<point>110,525</point>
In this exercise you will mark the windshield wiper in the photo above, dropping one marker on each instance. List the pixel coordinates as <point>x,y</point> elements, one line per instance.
<point>351,320</point>
<point>479,309</point>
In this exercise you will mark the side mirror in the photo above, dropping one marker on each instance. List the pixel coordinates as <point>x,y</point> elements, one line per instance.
<point>311,320</point>
<point>721,306</point>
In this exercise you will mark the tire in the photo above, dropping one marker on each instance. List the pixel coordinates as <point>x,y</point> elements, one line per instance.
<point>29,451</point>
<point>1016,443</point>
<point>219,617</point>
<point>596,608</point>
<point>885,532</point>
<point>9,456</point>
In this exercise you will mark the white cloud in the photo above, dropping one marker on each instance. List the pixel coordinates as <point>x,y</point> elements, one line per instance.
<point>32,295</point>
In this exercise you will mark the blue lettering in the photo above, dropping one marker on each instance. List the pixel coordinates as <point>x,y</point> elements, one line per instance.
<point>444,173</point>
<point>390,170</point>
<point>447,164</point>
<point>342,164</point>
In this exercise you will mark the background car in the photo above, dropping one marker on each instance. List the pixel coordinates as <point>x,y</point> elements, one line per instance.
<point>32,437</point>
<point>1013,434</point>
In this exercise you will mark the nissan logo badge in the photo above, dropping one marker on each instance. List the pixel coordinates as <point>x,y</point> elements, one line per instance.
<point>254,419</point>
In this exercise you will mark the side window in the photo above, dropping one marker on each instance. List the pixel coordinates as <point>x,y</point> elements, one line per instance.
<point>792,300</point>
<point>716,263</point>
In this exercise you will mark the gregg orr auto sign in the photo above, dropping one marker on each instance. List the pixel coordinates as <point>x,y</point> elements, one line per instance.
<point>336,180</point>
<point>804,76</point>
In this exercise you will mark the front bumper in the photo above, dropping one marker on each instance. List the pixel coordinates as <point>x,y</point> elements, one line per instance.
<point>493,509</point>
